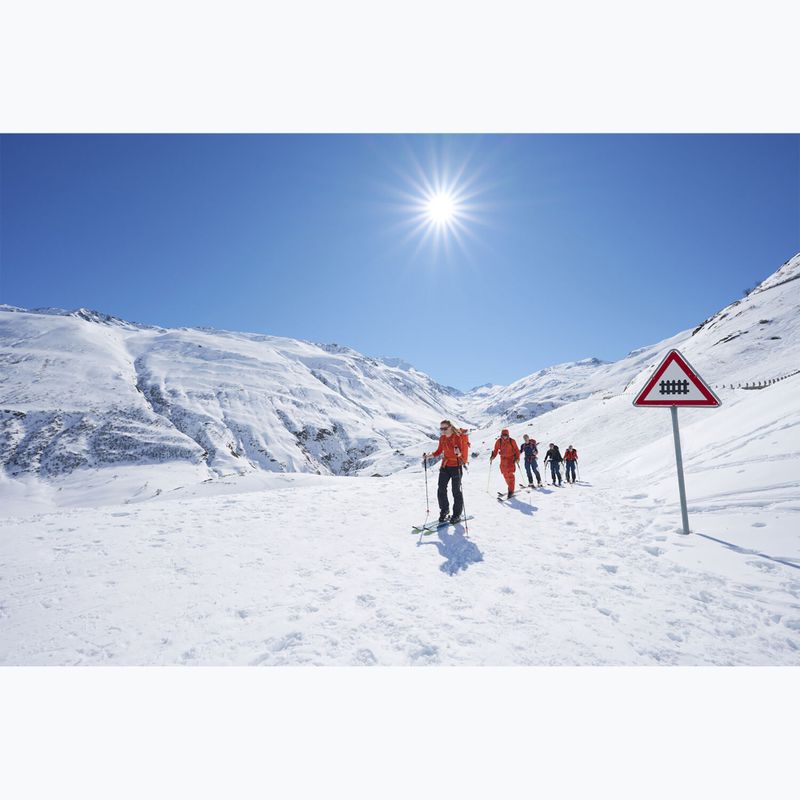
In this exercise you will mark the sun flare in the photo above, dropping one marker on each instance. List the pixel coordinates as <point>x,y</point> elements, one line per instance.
<point>441,204</point>
<point>441,208</point>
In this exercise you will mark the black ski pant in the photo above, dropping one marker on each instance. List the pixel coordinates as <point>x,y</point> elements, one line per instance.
<point>531,465</point>
<point>447,474</point>
<point>570,467</point>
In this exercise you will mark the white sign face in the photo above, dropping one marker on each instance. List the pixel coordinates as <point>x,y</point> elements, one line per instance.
<point>675,383</point>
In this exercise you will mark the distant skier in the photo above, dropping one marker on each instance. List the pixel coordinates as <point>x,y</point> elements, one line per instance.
<point>553,455</point>
<point>509,458</point>
<point>451,448</point>
<point>570,460</point>
<point>531,453</point>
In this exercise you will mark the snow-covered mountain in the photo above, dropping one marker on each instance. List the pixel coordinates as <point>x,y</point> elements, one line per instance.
<point>755,339</point>
<point>84,389</point>
<point>752,339</point>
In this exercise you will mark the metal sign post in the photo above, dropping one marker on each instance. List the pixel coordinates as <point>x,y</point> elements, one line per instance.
<point>676,435</point>
<point>673,384</point>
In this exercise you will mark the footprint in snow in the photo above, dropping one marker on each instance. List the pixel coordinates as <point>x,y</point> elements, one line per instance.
<point>290,640</point>
<point>759,525</point>
<point>427,654</point>
<point>609,613</point>
<point>612,568</point>
<point>655,551</point>
<point>764,566</point>
<point>365,600</point>
<point>365,657</point>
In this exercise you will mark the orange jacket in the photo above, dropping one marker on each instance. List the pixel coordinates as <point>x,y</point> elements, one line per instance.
<point>447,446</point>
<point>508,449</point>
<point>570,455</point>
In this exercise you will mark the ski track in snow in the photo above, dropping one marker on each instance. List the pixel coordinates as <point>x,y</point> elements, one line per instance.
<point>332,575</point>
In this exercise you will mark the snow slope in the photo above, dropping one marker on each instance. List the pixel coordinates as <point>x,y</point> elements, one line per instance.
<point>751,339</point>
<point>147,564</point>
<point>325,570</point>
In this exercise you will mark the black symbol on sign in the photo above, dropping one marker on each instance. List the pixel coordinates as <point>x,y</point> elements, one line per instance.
<point>674,387</point>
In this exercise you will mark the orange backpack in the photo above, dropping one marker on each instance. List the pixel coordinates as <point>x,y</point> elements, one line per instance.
<point>464,445</point>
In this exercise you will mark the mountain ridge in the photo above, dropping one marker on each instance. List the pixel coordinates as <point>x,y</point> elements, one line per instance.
<point>82,389</point>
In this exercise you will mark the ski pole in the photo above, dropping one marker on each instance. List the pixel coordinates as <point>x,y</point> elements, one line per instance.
<point>461,487</point>
<point>489,475</point>
<point>578,468</point>
<point>427,502</point>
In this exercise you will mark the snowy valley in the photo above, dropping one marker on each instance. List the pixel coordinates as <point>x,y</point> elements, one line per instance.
<point>187,496</point>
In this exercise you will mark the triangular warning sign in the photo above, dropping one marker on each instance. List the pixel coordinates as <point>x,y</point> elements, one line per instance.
<point>675,383</point>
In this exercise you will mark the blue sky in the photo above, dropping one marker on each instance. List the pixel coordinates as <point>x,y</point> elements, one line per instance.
<point>566,246</point>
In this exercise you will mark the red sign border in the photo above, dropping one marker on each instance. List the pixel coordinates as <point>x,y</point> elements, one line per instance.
<point>711,400</point>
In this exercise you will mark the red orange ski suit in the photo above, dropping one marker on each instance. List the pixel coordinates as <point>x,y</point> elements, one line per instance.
<point>509,456</point>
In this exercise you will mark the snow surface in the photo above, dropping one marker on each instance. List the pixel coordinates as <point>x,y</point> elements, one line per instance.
<point>118,552</point>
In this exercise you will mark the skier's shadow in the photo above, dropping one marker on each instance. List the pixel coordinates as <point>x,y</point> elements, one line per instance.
<point>525,508</point>
<point>458,551</point>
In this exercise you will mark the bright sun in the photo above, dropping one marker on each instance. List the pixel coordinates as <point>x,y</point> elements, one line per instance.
<point>440,204</point>
<point>441,208</point>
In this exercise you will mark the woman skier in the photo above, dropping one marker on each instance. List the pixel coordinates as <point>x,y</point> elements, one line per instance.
<point>509,458</point>
<point>531,453</point>
<point>453,451</point>
<point>554,457</point>
<point>570,460</point>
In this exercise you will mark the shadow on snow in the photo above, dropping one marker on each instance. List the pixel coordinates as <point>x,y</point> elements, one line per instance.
<point>458,551</point>
<point>748,552</point>
<point>521,505</point>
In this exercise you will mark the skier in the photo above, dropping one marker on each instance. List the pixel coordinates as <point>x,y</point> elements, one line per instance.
<point>570,460</point>
<point>509,458</point>
<point>554,457</point>
<point>531,453</point>
<point>451,447</point>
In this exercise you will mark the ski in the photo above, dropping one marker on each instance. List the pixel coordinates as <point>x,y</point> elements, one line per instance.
<point>432,527</point>
<point>504,495</point>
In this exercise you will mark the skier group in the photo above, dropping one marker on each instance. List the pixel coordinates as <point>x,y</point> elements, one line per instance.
<point>454,448</point>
